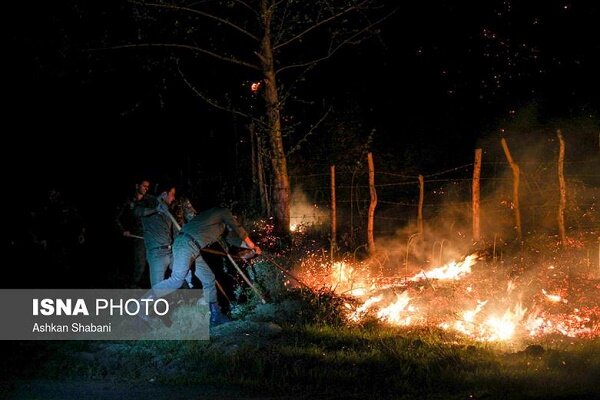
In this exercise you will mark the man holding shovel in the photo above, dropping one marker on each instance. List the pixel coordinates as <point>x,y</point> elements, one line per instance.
<point>201,231</point>
<point>158,232</point>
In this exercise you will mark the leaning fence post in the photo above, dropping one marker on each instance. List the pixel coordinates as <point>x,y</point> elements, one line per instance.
<point>372,204</point>
<point>515,198</point>
<point>476,196</point>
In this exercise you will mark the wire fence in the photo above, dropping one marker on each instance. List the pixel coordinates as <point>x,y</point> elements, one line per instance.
<point>447,200</point>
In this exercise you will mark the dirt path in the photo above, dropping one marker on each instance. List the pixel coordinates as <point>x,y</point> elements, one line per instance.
<point>105,390</point>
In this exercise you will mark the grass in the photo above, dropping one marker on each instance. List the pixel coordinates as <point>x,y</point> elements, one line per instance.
<point>323,361</point>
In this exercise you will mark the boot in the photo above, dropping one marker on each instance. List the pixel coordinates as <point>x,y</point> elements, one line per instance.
<point>153,319</point>
<point>216,316</point>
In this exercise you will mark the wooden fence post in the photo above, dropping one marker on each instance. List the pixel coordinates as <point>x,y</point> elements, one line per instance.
<point>562,203</point>
<point>516,179</point>
<point>420,211</point>
<point>372,204</point>
<point>333,214</point>
<point>476,196</point>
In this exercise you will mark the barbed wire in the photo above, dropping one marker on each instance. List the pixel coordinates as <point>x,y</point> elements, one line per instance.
<point>448,171</point>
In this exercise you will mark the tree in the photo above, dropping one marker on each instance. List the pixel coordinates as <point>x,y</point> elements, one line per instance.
<point>279,40</point>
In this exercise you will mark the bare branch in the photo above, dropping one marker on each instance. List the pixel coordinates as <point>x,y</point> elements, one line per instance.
<point>181,46</point>
<point>243,3</point>
<point>214,103</point>
<point>282,21</point>
<point>260,56</point>
<point>310,132</point>
<point>317,25</point>
<point>288,91</point>
<point>335,49</point>
<point>201,13</point>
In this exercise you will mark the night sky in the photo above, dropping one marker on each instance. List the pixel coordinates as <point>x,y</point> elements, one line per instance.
<point>437,77</point>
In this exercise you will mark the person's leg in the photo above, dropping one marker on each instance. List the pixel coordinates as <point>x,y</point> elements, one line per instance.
<point>207,277</point>
<point>188,279</point>
<point>183,255</point>
<point>159,261</point>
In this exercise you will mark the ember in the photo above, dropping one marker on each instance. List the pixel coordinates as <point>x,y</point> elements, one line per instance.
<point>470,296</point>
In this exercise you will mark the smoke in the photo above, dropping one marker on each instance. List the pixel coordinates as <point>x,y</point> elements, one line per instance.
<point>303,213</point>
<point>534,145</point>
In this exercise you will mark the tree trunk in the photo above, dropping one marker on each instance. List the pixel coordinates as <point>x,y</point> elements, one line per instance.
<point>281,183</point>
<point>255,190</point>
<point>258,171</point>
<point>333,214</point>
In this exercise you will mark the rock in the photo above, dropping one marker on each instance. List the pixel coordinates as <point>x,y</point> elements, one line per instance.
<point>534,350</point>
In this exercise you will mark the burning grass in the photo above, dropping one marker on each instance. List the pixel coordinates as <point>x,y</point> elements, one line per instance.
<point>527,297</point>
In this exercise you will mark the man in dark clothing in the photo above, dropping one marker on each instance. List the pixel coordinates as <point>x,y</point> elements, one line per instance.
<point>203,230</point>
<point>158,232</point>
<point>131,228</point>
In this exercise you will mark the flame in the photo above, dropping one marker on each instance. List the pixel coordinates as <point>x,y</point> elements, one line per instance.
<point>553,297</point>
<point>451,271</point>
<point>480,304</point>
<point>395,312</point>
<point>493,328</point>
<point>341,272</point>
<point>503,328</point>
<point>360,311</point>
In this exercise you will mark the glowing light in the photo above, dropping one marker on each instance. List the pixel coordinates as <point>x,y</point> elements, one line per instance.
<point>255,86</point>
<point>448,305</point>
<point>553,297</point>
<point>394,312</point>
<point>451,271</point>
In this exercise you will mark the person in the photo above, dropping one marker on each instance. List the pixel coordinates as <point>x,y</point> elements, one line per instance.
<point>183,210</point>
<point>130,227</point>
<point>201,231</point>
<point>158,231</point>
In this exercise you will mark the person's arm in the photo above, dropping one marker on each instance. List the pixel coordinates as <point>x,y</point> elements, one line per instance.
<point>189,211</point>
<point>251,245</point>
<point>126,206</point>
<point>232,223</point>
<point>141,208</point>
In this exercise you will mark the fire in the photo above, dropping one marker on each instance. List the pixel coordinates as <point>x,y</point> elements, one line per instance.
<point>490,329</point>
<point>459,296</point>
<point>503,328</point>
<point>395,313</point>
<point>452,270</point>
<point>553,297</point>
<point>360,311</point>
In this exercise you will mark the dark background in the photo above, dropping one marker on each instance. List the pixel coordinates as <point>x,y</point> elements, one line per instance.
<point>438,78</point>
